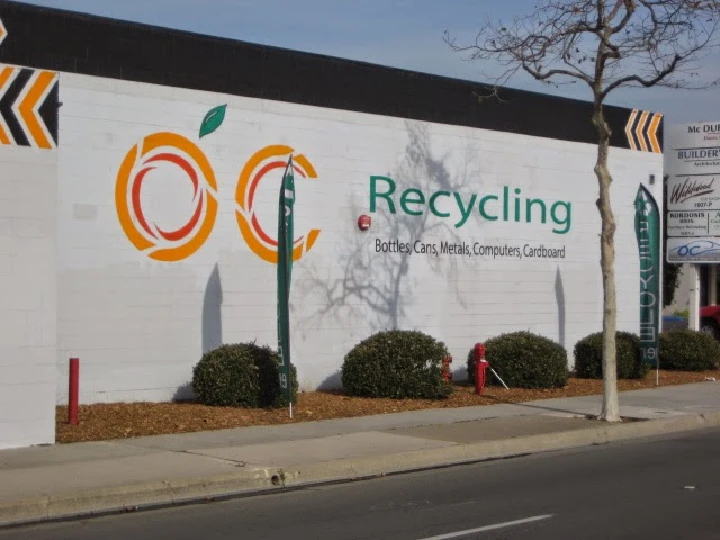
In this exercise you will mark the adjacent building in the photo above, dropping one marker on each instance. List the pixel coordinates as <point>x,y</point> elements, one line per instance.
<point>692,169</point>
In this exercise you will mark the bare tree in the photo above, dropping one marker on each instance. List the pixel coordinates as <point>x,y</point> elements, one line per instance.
<point>606,44</point>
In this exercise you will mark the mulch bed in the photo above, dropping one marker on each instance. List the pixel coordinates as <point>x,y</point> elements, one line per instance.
<point>125,420</point>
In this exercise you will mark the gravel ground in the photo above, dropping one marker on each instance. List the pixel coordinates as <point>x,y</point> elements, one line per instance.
<point>124,420</point>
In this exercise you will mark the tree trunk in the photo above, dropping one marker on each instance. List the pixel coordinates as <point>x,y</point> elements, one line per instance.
<point>611,407</point>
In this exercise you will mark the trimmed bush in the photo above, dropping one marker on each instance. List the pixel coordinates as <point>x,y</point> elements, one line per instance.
<point>588,357</point>
<point>396,364</point>
<point>524,360</point>
<point>241,375</point>
<point>687,350</point>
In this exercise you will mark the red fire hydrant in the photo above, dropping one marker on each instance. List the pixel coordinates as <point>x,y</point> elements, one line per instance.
<point>481,366</point>
<point>446,373</point>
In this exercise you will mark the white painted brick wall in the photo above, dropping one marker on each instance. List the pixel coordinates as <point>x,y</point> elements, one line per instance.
<point>27,296</point>
<point>140,326</point>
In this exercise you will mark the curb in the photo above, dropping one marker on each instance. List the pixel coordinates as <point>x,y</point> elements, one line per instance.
<point>469,453</point>
<point>123,499</point>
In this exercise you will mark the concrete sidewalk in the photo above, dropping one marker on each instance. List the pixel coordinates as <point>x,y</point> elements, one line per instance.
<point>90,478</point>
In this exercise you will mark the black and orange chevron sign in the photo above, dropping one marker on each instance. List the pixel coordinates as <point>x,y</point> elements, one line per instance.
<point>3,32</point>
<point>28,107</point>
<point>641,131</point>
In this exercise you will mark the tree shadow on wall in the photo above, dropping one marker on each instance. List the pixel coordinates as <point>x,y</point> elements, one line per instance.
<point>184,394</point>
<point>212,312</point>
<point>377,288</point>
<point>211,330</point>
<point>332,382</point>
<point>560,298</point>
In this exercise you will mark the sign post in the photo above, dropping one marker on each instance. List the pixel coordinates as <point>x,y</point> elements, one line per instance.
<point>286,203</point>
<point>647,230</point>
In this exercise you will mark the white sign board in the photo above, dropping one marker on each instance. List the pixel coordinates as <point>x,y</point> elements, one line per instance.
<point>694,250</point>
<point>688,224</point>
<point>697,192</point>
<point>692,162</point>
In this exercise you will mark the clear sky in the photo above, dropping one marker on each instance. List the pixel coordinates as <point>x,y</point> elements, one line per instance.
<point>399,33</point>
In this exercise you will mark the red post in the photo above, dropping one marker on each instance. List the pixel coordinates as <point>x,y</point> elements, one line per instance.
<point>481,366</point>
<point>73,393</point>
<point>446,373</point>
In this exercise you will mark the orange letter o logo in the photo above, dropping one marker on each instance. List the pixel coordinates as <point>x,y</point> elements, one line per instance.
<point>261,163</point>
<point>159,244</point>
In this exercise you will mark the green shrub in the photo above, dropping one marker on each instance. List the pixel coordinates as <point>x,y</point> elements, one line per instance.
<point>241,375</point>
<point>524,360</point>
<point>588,357</point>
<point>396,364</point>
<point>687,350</point>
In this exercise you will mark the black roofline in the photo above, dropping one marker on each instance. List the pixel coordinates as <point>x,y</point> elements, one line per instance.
<point>75,42</point>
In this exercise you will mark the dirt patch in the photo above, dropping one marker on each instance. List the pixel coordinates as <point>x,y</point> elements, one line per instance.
<point>124,420</point>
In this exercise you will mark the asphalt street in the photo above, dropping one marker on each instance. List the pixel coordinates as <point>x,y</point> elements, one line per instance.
<point>660,488</point>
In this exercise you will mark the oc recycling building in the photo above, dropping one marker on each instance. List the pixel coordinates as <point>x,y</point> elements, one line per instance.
<point>134,241</point>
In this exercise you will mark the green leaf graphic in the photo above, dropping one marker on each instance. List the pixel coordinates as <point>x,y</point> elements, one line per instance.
<point>212,120</point>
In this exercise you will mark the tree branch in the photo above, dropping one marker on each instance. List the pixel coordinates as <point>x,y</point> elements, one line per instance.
<point>629,11</point>
<point>628,42</point>
<point>647,83</point>
<point>543,76</point>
